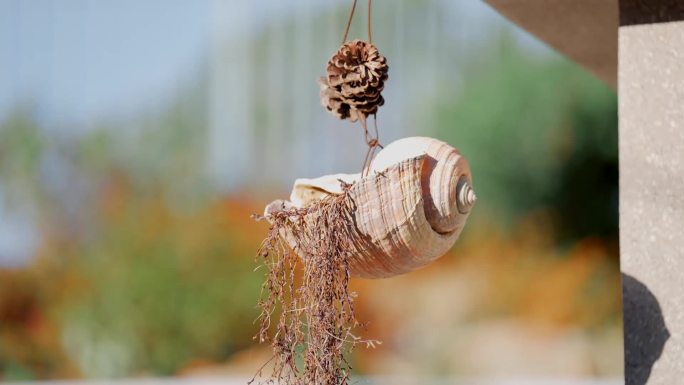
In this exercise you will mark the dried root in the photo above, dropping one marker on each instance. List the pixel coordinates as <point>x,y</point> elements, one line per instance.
<point>312,334</point>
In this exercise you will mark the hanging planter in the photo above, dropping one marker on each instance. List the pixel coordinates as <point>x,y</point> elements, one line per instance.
<point>405,209</point>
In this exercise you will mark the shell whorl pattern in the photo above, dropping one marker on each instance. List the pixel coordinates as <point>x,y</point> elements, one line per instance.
<point>466,196</point>
<point>445,168</point>
<point>408,212</point>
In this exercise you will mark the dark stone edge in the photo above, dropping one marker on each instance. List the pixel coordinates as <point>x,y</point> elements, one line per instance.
<point>635,12</point>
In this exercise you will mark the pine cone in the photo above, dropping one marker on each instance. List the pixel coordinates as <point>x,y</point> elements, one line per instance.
<point>356,77</point>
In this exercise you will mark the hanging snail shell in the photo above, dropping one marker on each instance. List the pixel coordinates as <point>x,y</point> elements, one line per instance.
<point>409,210</point>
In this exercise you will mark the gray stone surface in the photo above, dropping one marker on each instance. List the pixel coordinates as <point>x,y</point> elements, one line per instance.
<point>651,144</point>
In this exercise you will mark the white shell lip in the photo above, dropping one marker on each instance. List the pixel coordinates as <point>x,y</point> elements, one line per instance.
<point>306,190</point>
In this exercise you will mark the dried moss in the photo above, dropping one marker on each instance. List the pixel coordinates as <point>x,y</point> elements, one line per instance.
<point>307,311</point>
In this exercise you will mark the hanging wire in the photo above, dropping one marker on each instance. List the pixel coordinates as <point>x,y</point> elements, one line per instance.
<point>366,160</point>
<point>373,143</point>
<point>370,37</point>
<point>351,16</point>
<point>377,133</point>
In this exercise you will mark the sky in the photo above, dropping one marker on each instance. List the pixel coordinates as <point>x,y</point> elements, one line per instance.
<point>76,60</point>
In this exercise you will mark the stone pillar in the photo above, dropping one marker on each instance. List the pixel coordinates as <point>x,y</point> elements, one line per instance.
<point>651,146</point>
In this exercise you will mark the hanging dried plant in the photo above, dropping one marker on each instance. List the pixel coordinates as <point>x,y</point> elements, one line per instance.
<point>316,316</point>
<point>404,216</point>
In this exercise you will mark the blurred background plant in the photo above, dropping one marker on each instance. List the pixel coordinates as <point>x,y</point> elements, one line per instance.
<point>132,153</point>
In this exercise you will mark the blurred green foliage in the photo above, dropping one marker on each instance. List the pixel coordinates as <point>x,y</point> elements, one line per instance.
<point>164,289</point>
<point>539,133</point>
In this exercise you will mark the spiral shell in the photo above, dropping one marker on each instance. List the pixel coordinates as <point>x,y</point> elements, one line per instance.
<point>408,212</point>
<point>441,175</point>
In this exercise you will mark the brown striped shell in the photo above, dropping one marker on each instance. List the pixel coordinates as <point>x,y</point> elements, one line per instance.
<point>409,210</point>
